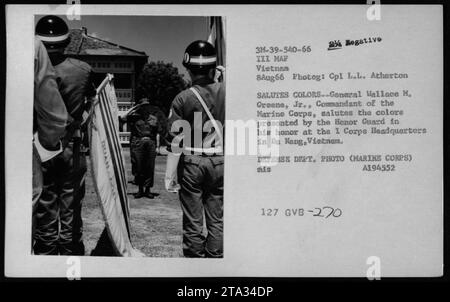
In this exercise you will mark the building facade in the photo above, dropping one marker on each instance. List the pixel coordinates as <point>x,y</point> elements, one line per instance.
<point>107,57</point>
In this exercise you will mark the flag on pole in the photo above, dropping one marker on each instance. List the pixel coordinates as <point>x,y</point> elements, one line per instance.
<point>108,168</point>
<point>216,37</point>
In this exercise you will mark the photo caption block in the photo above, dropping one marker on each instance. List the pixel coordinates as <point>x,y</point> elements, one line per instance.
<point>355,109</point>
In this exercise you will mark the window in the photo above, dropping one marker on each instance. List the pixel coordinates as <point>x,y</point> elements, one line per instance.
<point>122,81</point>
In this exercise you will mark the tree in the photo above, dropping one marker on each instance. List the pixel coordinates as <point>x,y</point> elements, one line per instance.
<point>160,82</point>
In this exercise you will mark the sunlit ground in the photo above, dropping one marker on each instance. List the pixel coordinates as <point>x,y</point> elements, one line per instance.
<point>156,224</point>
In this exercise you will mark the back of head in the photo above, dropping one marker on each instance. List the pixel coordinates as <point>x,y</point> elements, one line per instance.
<point>200,57</point>
<point>53,32</point>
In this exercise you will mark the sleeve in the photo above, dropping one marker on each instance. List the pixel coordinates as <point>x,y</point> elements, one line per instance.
<point>50,112</point>
<point>91,91</point>
<point>175,114</point>
<point>162,129</point>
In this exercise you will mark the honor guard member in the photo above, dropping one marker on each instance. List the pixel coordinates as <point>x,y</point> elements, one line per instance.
<point>59,224</point>
<point>143,142</point>
<point>201,163</point>
<point>49,118</point>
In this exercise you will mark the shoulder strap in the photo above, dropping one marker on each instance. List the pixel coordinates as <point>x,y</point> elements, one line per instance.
<point>210,116</point>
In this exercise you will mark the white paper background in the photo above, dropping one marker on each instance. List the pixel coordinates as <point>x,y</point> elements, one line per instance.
<point>395,216</point>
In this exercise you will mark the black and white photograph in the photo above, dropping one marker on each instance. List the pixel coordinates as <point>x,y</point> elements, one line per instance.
<point>109,93</point>
<point>333,165</point>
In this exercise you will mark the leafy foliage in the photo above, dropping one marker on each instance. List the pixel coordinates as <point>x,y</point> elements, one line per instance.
<point>160,82</point>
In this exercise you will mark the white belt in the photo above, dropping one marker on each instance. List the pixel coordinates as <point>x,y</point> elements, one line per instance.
<point>215,150</point>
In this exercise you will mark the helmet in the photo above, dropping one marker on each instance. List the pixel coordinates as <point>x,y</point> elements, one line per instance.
<point>200,57</point>
<point>53,32</point>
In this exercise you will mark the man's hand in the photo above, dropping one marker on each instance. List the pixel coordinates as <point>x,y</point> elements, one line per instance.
<point>220,73</point>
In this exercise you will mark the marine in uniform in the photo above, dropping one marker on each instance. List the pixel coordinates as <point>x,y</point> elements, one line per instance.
<point>59,224</point>
<point>49,119</point>
<point>201,163</point>
<point>144,130</point>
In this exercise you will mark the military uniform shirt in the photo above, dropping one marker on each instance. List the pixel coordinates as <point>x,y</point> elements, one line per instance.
<point>186,104</point>
<point>50,114</point>
<point>74,79</point>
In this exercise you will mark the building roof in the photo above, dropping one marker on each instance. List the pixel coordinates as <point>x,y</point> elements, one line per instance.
<point>82,43</point>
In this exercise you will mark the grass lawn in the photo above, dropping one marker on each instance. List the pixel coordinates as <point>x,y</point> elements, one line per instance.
<point>156,227</point>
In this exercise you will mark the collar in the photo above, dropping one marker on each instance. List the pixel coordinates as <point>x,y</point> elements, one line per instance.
<point>203,81</point>
<point>57,58</point>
